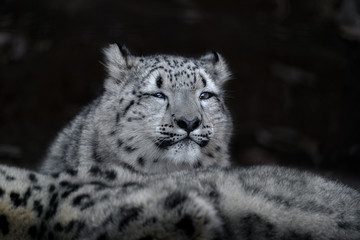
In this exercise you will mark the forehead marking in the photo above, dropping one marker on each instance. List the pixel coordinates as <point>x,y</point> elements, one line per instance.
<point>178,72</point>
<point>159,81</point>
<point>203,80</point>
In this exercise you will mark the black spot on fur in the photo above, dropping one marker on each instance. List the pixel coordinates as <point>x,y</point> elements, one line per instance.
<point>110,175</point>
<point>345,225</point>
<point>69,188</point>
<point>99,185</point>
<point>58,227</point>
<point>4,225</point>
<point>213,193</point>
<point>42,230</point>
<point>150,222</point>
<point>117,119</point>
<point>32,232</point>
<point>203,81</point>
<point>197,165</point>
<point>37,188</point>
<point>50,236</point>
<point>38,208</point>
<point>10,178</point>
<point>132,186</point>
<point>53,206</point>
<point>51,188</point>
<point>210,155</point>
<point>83,201</point>
<point>252,223</point>
<point>129,167</point>
<point>70,226</point>
<point>103,236</point>
<point>186,225</point>
<point>33,178</point>
<point>128,106</point>
<point>159,81</point>
<point>77,200</point>
<point>18,200</point>
<point>174,199</point>
<point>95,171</point>
<point>119,143</point>
<point>129,149</point>
<point>140,161</point>
<point>2,191</point>
<point>71,172</point>
<point>55,175</point>
<point>74,226</point>
<point>129,215</point>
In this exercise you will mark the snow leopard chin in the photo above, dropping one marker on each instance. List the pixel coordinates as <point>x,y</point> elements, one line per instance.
<point>185,151</point>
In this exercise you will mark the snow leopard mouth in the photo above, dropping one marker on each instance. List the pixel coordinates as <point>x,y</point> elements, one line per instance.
<point>168,143</point>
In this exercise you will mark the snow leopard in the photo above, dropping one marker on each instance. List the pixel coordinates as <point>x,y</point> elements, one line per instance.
<point>109,202</point>
<point>158,113</point>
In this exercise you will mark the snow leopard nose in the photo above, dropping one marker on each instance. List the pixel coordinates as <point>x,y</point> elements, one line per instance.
<point>188,125</point>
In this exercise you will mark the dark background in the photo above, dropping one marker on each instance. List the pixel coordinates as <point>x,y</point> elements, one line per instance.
<point>296,71</point>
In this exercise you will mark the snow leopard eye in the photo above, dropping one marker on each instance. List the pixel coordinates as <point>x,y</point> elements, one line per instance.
<point>159,95</point>
<point>206,95</point>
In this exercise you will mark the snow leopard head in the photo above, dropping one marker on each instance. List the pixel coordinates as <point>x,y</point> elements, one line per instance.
<point>165,113</point>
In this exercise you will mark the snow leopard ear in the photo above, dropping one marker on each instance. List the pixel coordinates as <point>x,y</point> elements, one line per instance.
<point>117,63</point>
<point>116,59</point>
<point>217,66</point>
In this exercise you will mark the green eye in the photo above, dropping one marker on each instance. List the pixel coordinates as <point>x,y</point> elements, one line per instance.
<point>206,95</point>
<point>159,95</point>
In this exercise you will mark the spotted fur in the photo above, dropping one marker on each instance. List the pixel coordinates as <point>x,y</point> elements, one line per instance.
<point>100,202</point>
<point>157,114</point>
<point>145,161</point>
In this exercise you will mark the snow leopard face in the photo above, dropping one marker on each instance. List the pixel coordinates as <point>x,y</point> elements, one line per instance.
<point>165,112</point>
